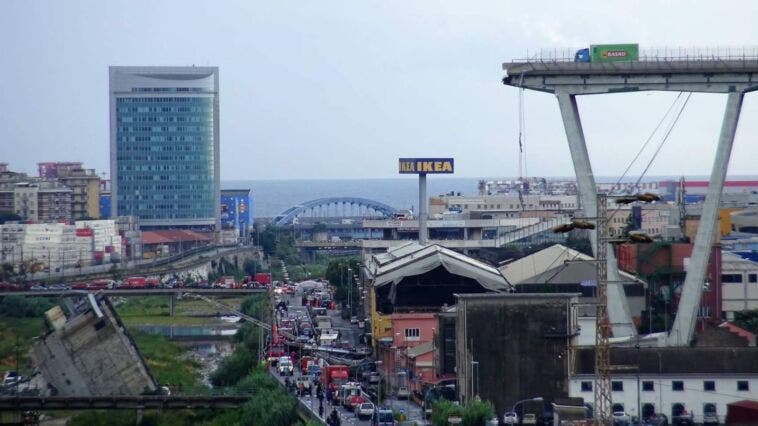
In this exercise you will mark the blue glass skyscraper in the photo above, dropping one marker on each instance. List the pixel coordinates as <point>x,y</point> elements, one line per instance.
<point>164,144</point>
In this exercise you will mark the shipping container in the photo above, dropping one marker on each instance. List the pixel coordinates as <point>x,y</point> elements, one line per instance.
<point>614,52</point>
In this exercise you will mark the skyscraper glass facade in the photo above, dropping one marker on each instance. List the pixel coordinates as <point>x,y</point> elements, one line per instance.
<point>163,146</point>
<point>165,160</point>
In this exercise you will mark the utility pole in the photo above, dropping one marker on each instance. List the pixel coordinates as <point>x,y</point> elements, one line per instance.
<point>603,324</point>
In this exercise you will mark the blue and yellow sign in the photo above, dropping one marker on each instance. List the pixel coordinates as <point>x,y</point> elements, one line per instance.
<point>426,165</point>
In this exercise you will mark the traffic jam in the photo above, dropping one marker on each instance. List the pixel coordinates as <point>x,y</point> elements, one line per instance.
<point>322,358</point>
<point>257,281</point>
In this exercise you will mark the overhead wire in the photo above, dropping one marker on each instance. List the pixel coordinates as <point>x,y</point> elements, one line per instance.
<point>660,145</point>
<point>649,138</point>
<point>665,138</point>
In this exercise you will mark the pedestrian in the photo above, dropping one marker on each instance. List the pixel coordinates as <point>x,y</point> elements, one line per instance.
<point>321,408</point>
<point>335,418</point>
<point>329,396</point>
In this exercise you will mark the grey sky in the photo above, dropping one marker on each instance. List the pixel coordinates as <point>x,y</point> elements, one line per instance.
<point>341,89</point>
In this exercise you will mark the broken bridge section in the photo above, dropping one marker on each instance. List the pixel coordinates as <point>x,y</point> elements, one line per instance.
<point>731,75</point>
<point>90,353</point>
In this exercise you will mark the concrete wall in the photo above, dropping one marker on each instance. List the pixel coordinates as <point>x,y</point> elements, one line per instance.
<point>520,342</point>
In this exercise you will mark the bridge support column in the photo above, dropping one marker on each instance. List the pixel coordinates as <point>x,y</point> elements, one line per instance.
<point>689,303</point>
<point>171,305</point>
<point>140,413</point>
<point>618,308</point>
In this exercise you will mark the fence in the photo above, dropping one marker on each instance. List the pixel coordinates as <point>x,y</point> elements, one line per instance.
<point>654,54</point>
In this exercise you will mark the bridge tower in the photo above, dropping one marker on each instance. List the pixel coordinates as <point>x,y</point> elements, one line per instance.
<point>730,72</point>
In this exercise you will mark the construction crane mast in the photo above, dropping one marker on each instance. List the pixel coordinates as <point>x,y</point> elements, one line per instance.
<point>603,324</point>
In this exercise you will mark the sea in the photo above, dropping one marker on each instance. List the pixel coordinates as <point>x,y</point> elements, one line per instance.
<point>271,197</point>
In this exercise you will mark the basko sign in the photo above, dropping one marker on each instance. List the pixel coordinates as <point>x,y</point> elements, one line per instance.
<point>426,165</point>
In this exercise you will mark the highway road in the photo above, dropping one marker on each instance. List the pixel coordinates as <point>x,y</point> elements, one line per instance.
<point>138,292</point>
<point>352,334</point>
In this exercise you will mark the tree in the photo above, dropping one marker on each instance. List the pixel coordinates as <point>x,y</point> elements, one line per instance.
<point>340,273</point>
<point>250,267</point>
<point>266,238</point>
<point>747,320</point>
<point>233,368</point>
<point>476,413</point>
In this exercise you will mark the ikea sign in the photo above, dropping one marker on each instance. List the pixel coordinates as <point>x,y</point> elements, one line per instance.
<point>426,165</point>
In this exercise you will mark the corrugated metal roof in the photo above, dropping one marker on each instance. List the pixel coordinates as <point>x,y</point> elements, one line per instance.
<point>415,259</point>
<point>529,268</point>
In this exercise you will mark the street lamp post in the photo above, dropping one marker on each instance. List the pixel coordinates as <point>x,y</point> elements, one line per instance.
<point>473,388</point>
<point>379,393</point>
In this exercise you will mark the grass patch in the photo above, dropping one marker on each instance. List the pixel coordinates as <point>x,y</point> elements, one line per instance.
<point>175,320</point>
<point>144,306</point>
<point>26,329</point>
<point>167,360</point>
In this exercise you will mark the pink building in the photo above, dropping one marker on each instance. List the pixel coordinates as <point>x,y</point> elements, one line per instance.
<point>410,355</point>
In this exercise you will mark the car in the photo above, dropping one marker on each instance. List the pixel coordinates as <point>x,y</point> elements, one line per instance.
<point>374,377</point>
<point>710,418</point>
<point>364,410</point>
<point>285,367</point>
<point>656,420</point>
<point>510,418</point>
<point>384,417</point>
<point>621,418</point>
<point>353,320</point>
<point>10,378</point>
<point>403,392</point>
<point>314,371</point>
<point>529,419</point>
<point>37,287</point>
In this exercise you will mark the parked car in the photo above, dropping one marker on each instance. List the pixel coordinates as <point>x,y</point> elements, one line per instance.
<point>529,419</point>
<point>621,418</point>
<point>510,418</point>
<point>657,420</point>
<point>353,320</point>
<point>710,418</point>
<point>364,410</point>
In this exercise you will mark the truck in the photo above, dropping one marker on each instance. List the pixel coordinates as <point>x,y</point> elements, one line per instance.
<point>263,278</point>
<point>349,395</point>
<point>334,376</point>
<point>323,322</point>
<point>608,53</point>
<point>305,362</point>
<point>133,283</point>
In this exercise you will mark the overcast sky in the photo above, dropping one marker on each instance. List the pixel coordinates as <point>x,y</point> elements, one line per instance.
<point>327,89</point>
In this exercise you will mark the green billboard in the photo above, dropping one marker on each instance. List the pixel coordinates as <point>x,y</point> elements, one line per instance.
<point>614,52</point>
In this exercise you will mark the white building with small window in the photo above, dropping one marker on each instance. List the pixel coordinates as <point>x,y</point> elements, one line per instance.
<point>672,381</point>
<point>739,284</point>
